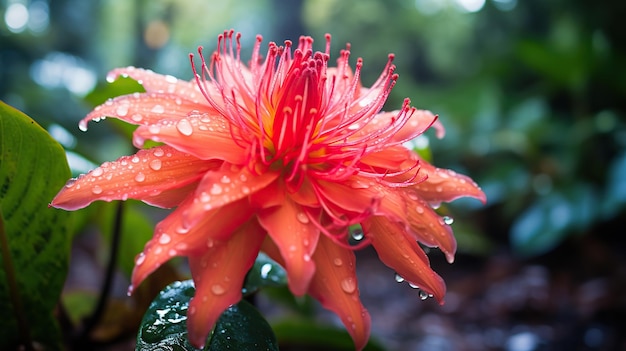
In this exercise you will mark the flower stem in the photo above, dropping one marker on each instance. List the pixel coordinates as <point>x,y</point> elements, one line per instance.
<point>95,317</point>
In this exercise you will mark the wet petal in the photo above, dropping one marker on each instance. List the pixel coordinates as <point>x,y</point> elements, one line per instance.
<point>205,136</point>
<point>143,176</point>
<point>445,185</point>
<point>296,238</point>
<point>391,158</point>
<point>172,237</point>
<point>158,83</point>
<point>146,109</point>
<point>218,276</point>
<point>402,254</point>
<point>428,227</point>
<point>334,285</point>
<point>222,186</point>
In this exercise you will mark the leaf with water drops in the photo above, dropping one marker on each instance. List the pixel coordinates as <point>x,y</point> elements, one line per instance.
<point>35,239</point>
<point>265,272</point>
<point>164,326</point>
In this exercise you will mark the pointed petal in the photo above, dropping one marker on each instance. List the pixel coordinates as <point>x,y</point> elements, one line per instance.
<point>173,238</point>
<point>427,227</point>
<point>206,136</point>
<point>354,195</point>
<point>445,185</point>
<point>402,254</point>
<point>391,158</point>
<point>218,275</point>
<point>158,83</point>
<point>224,185</point>
<point>143,176</point>
<point>296,238</point>
<point>334,285</point>
<point>145,109</point>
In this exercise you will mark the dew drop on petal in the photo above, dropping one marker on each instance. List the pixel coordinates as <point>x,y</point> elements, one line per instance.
<point>82,125</point>
<point>158,152</point>
<point>140,259</point>
<point>419,209</point>
<point>348,285</point>
<point>96,190</point>
<point>225,179</point>
<point>204,197</point>
<point>413,286</point>
<point>136,117</point>
<point>438,188</point>
<point>135,159</point>
<point>155,164</point>
<point>217,289</point>
<point>357,235</point>
<point>448,220</point>
<point>398,278</point>
<point>337,262</point>
<point>245,190</point>
<point>158,109</point>
<point>216,189</point>
<point>184,127</point>
<point>412,195</point>
<point>210,243</point>
<point>265,270</point>
<point>122,110</point>
<point>154,129</point>
<point>140,177</point>
<point>302,218</point>
<point>70,183</point>
<point>423,295</point>
<point>164,239</point>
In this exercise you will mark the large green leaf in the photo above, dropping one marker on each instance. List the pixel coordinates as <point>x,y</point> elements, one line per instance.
<point>241,326</point>
<point>34,238</point>
<point>264,273</point>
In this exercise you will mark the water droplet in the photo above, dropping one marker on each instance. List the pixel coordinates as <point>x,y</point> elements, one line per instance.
<point>412,195</point>
<point>413,286</point>
<point>438,188</point>
<point>243,177</point>
<point>357,235</point>
<point>424,295</point>
<point>164,239</point>
<point>398,278</point>
<point>122,110</point>
<point>182,230</point>
<point>155,164</point>
<point>448,220</point>
<point>210,243</point>
<point>137,117</point>
<point>204,197</point>
<point>97,172</point>
<point>265,270</point>
<point>135,159</point>
<point>140,177</point>
<point>154,129</point>
<point>170,79</point>
<point>96,190</point>
<point>302,218</point>
<point>245,190</point>
<point>172,252</point>
<point>348,285</point>
<point>158,109</point>
<point>184,127</point>
<point>158,152</point>
<point>337,262</point>
<point>225,179</point>
<point>70,183</point>
<point>419,209</point>
<point>218,289</point>
<point>216,189</point>
<point>140,259</point>
<point>82,125</point>
<point>111,78</point>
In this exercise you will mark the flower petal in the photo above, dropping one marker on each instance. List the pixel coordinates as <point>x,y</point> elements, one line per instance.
<point>296,238</point>
<point>334,285</point>
<point>143,176</point>
<point>222,186</point>
<point>445,185</point>
<point>402,254</point>
<point>145,109</point>
<point>173,238</point>
<point>427,227</point>
<point>204,135</point>
<point>218,275</point>
<point>158,83</point>
<point>391,158</point>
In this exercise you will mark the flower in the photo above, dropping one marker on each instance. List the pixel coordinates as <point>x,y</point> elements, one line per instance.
<point>282,155</point>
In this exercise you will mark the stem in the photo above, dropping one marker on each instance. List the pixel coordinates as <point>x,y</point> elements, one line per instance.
<point>95,317</point>
<point>14,293</point>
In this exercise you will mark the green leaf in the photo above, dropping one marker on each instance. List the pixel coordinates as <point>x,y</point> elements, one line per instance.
<point>241,326</point>
<point>264,273</point>
<point>35,239</point>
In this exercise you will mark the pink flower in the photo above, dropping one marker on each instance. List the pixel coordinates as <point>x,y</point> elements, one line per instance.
<point>282,155</point>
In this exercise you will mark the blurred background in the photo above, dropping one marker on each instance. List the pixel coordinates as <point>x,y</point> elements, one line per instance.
<point>532,94</point>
